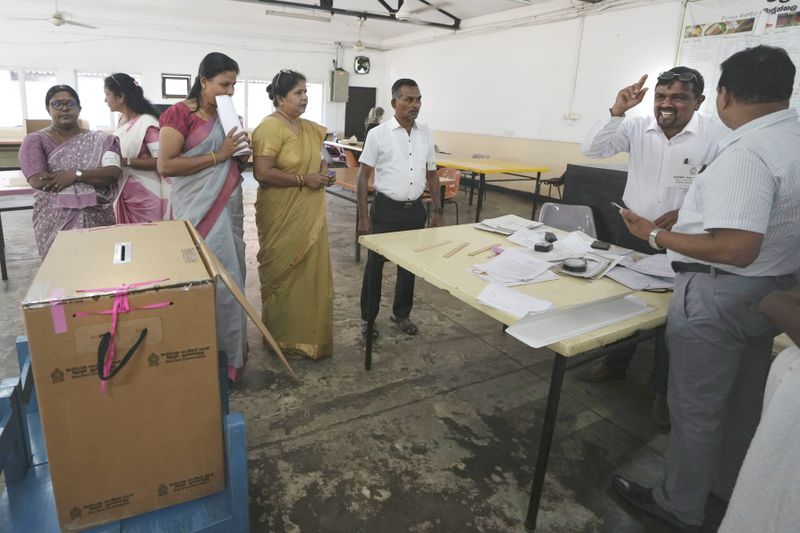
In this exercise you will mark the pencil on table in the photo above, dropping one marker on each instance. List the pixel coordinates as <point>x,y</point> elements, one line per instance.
<point>480,250</point>
<point>455,250</point>
<point>423,248</point>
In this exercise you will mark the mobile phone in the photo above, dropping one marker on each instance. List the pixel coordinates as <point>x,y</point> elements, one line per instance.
<point>615,204</point>
<point>549,236</point>
<point>543,246</point>
<point>601,245</point>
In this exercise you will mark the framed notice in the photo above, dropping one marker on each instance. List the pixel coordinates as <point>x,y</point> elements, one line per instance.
<point>175,85</point>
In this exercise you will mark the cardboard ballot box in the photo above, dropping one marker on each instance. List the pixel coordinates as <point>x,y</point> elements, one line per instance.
<point>152,435</point>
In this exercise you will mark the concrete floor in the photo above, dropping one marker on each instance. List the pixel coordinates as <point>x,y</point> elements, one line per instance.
<point>440,436</point>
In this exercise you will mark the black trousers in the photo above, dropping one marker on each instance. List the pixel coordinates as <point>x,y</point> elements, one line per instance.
<point>388,215</point>
<point>618,360</point>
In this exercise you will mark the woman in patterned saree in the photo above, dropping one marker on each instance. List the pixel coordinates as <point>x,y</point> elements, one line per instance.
<point>143,196</point>
<point>294,263</point>
<point>197,155</point>
<point>74,172</point>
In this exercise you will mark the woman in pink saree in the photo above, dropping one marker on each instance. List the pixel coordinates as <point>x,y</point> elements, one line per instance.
<point>142,196</point>
<point>206,190</point>
<point>74,172</point>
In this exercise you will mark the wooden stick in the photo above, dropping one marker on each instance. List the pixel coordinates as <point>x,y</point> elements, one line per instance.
<point>480,250</point>
<point>422,249</point>
<point>455,250</point>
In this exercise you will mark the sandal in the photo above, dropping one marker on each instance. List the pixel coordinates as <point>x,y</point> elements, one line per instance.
<point>364,330</point>
<point>405,325</point>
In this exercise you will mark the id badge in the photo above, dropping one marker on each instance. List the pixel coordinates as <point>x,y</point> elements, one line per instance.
<point>681,176</point>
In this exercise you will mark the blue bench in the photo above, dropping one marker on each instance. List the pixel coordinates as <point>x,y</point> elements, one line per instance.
<point>27,503</point>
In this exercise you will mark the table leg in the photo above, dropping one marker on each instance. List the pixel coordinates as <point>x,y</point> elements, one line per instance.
<point>481,185</point>
<point>357,245</point>
<point>536,195</point>
<point>548,426</point>
<point>3,269</point>
<point>471,188</point>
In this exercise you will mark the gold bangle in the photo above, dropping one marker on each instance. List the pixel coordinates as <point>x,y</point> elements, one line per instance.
<point>300,181</point>
<point>214,157</point>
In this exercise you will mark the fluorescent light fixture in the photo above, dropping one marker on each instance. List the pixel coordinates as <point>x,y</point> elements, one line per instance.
<point>303,16</point>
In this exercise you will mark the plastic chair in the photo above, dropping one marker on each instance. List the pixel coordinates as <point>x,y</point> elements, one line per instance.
<point>451,189</point>
<point>568,217</point>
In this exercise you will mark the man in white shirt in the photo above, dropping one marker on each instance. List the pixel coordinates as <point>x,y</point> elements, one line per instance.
<point>666,152</point>
<point>400,152</point>
<point>735,241</point>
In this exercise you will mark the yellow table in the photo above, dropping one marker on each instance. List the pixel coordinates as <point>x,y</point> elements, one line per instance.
<point>408,250</point>
<point>495,166</point>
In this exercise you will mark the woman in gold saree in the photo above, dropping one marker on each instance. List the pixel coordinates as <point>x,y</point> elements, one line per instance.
<point>294,264</point>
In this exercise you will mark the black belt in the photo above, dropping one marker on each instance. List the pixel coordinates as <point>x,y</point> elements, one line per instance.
<point>399,203</point>
<point>680,266</point>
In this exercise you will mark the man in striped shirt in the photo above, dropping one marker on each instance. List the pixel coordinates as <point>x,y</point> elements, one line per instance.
<point>737,239</point>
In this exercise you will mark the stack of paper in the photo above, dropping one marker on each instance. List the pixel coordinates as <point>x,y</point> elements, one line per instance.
<point>654,265</point>
<point>637,281</point>
<point>510,301</point>
<point>506,224</point>
<point>513,267</point>
<point>230,120</point>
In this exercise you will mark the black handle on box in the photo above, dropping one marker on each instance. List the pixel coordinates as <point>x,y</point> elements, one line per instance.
<point>102,349</point>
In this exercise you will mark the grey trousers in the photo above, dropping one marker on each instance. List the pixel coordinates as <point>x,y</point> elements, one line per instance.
<point>720,346</point>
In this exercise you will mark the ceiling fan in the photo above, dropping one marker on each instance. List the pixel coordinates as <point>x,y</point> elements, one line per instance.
<point>404,14</point>
<point>359,45</point>
<point>58,18</point>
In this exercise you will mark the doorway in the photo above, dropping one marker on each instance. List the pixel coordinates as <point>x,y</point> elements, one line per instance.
<point>359,101</point>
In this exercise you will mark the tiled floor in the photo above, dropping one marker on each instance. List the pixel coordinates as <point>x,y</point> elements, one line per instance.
<point>440,436</point>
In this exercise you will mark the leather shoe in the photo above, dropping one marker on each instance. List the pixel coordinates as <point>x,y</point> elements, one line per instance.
<point>596,373</point>
<point>642,498</point>
<point>660,412</point>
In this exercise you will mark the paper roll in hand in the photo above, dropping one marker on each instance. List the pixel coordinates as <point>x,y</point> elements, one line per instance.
<point>229,119</point>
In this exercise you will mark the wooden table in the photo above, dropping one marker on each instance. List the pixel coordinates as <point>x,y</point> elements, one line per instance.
<point>347,179</point>
<point>12,183</point>
<point>495,166</point>
<point>450,275</point>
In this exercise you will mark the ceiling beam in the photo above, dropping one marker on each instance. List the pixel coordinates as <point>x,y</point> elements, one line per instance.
<point>455,25</point>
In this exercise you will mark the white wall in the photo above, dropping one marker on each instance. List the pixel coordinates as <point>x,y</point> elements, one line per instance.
<point>519,82</point>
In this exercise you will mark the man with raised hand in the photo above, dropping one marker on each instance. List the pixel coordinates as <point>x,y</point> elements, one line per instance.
<point>667,150</point>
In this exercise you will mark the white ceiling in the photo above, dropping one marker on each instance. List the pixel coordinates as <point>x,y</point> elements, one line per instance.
<point>242,17</point>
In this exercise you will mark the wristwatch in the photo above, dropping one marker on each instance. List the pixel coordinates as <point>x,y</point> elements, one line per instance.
<point>652,238</point>
<point>79,176</point>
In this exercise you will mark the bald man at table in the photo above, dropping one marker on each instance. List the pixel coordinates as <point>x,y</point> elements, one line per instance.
<point>401,153</point>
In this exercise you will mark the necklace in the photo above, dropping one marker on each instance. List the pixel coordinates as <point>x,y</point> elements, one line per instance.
<point>61,138</point>
<point>293,122</point>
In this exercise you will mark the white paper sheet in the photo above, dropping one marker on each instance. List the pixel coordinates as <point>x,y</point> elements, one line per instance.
<point>547,276</point>
<point>514,265</point>
<point>230,119</point>
<point>506,224</point>
<point>654,265</point>
<point>638,281</point>
<point>538,330</point>
<point>512,302</point>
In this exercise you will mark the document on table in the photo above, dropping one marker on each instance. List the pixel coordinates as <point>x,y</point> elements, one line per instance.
<point>638,281</point>
<point>573,245</point>
<point>547,276</point>
<point>538,330</point>
<point>511,301</point>
<point>654,265</point>
<point>506,224</point>
<point>513,266</point>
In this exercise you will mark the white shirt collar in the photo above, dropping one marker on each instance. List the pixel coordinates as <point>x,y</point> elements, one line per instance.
<point>394,124</point>
<point>757,124</point>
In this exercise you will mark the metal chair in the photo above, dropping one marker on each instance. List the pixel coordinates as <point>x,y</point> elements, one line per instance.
<point>558,183</point>
<point>568,217</point>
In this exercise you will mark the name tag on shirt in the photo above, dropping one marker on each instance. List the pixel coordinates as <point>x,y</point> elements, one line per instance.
<point>681,176</point>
